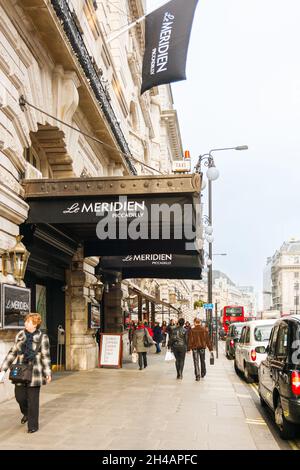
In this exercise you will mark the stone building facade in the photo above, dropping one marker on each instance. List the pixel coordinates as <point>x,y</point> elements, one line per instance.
<point>285,278</point>
<point>80,90</point>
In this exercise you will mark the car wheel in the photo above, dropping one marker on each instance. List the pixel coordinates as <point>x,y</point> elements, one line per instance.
<point>236,368</point>
<point>247,375</point>
<point>286,429</point>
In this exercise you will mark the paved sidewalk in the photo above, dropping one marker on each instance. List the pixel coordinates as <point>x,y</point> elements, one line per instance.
<point>149,409</point>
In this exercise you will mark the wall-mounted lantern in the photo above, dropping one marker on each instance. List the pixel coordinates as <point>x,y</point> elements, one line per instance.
<point>14,261</point>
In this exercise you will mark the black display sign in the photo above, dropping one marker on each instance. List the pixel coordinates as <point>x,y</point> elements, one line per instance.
<point>118,226</point>
<point>94,315</point>
<point>155,265</point>
<point>15,305</point>
<point>168,30</point>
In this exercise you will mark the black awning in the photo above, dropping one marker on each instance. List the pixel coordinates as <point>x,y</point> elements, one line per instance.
<point>120,216</point>
<point>158,265</point>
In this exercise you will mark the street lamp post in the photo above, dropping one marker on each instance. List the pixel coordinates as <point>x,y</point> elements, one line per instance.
<point>212,174</point>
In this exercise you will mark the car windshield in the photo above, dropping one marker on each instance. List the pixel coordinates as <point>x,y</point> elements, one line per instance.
<point>262,333</point>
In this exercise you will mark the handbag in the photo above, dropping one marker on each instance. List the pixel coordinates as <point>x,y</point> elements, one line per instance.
<point>22,373</point>
<point>147,343</point>
<point>169,356</point>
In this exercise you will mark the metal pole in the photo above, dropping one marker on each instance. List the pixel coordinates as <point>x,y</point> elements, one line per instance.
<point>209,276</point>
<point>124,29</point>
<point>217,342</point>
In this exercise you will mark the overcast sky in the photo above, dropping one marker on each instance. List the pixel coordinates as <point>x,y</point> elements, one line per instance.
<point>243,87</point>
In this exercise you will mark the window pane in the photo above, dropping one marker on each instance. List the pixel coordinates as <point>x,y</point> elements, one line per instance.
<point>248,335</point>
<point>273,341</point>
<point>262,333</point>
<point>281,349</point>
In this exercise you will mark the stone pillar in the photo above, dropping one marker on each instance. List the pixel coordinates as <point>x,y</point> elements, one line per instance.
<point>152,313</point>
<point>140,308</point>
<point>81,348</point>
<point>113,314</point>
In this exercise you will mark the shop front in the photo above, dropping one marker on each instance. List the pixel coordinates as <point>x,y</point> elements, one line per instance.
<point>72,223</point>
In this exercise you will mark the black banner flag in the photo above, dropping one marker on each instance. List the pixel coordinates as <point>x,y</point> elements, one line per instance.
<point>168,32</point>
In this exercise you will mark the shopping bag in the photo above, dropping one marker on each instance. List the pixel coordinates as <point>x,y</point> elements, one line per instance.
<point>134,357</point>
<point>169,356</point>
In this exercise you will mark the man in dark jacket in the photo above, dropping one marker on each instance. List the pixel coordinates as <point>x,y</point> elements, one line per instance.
<point>157,337</point>
<point>178,345</point>
<point>198,341</point>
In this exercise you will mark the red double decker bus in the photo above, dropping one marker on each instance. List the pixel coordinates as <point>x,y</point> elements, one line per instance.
<point>231,314</point>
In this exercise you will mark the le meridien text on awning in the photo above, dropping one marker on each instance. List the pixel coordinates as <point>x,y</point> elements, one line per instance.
<point>154,265</point>
<point>120,216</point>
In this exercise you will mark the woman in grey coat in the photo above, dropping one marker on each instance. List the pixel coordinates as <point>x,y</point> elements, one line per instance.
<point>139,335</point>
<point>31,345</point>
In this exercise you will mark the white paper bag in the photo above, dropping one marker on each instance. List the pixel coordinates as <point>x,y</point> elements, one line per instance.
<point>134,357</point>
<point>169,356</point>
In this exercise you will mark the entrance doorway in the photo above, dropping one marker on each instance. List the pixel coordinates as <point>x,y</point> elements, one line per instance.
<point>48,299</point>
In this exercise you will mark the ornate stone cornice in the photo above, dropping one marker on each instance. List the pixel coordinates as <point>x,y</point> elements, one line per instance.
<point>129,185</point>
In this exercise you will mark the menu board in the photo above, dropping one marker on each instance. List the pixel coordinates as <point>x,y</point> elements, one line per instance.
<point>110,350</point>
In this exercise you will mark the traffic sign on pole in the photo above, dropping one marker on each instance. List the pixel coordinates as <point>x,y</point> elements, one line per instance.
<point>208,306</point>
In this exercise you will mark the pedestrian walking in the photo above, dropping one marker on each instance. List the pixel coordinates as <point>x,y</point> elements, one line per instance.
<point>150,330</point>
<point>131,330</point>
<point>198,341</point>
<point>188,327</point>
<point>178,345</point>
<point>140,337</point>
<point>157,337</point>
<point>164,333</point>
<point>170,328</point>
<point>31,347</point>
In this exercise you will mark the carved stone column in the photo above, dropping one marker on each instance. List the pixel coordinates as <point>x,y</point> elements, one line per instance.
<point>81,349</point>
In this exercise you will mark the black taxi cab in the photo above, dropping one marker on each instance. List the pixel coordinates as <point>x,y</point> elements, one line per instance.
<point>279,375</point>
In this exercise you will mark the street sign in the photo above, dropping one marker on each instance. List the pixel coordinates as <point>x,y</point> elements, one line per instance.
<point>181,166</point>
<point>208,306</point>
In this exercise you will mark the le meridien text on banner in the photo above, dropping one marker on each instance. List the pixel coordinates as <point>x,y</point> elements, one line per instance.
<point>168,32</point>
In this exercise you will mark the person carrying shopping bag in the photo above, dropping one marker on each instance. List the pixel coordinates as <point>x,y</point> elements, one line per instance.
<point>32,370</point>
<point>198,341</point>
<point>141,337</point>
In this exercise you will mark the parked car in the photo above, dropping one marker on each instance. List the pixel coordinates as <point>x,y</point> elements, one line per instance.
<point>234,334</point>
<point>279,375</point>
<point>248,350</point>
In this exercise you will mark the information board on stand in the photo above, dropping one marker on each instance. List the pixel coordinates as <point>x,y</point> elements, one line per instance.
<point>110,350</point>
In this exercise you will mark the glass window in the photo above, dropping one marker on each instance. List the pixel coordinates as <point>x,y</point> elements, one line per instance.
<point>234,311</point>
<point>242,340</point>
<point>236,330</point>
<point>262,333</point>
<point>296,286</point>
<point>247,335</point>
<point>272,343</point>
<point>296,260</point>
<point>282,342</point>
<point>296,274</point>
